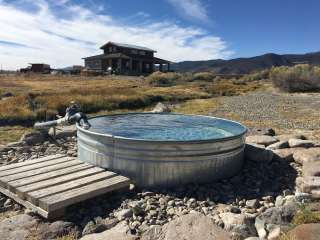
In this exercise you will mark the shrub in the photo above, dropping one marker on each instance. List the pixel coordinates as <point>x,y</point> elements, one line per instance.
<point>205,76</point>
<point>299,78</point>
<point>160,79</point>
<point>256,76</point>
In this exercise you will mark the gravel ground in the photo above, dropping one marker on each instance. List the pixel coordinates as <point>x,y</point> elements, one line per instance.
<point>282,111</point>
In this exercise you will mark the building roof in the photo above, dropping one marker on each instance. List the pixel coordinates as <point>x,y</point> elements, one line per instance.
<point>108,56</point>
<point>131,46</point>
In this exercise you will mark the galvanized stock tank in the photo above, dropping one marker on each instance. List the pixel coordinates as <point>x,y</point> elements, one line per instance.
<point>163,149</point>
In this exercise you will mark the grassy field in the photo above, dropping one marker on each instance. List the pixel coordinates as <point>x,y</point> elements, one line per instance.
<point>42,97</point>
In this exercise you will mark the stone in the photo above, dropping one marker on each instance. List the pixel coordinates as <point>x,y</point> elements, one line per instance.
<point>120,232</point>
<point>274,232</point>
<point>260,227</point>
<point>187,227</point>
<point>32,138</point>
<point>311,169</point>
<point>262,131</point>
<point>254,203</point>
<point>56,229</point>
<point>307,155</point>
<point>285,154</point>
<point>252,238</point>
<point>257,153</point>
<point>261,139</point>
<point>309,231</point>
<point>302,197</point>
<point>8,203</point>
<point>110,223</point>
<point>123,214</point>
<point>17,227</point>
<point>281,216</point>
<point>279,201</point>
<point>294,143</point>
<point>278,145</point>
<point>91,227</point>
<point>241,224</point>
<point>286,137</point>
<point>161,108</point>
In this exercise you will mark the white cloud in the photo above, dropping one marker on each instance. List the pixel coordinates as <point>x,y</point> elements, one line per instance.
<point>65,41</point>
<point>191,8</point>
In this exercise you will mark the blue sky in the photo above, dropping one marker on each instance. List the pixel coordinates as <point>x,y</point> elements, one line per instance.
<point>61,32</point>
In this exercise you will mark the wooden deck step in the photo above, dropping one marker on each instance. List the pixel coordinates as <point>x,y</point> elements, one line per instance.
<point>48,185</point>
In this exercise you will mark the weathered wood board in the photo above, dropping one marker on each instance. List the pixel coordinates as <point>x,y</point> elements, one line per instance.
<point>50,184</point>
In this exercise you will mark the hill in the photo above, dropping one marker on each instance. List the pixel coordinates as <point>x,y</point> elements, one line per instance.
<point>247,65</point>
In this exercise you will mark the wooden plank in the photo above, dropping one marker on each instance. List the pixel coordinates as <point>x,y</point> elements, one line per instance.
<point>34,166</point>
<point>27,204</point>
<point>35,195</point>
<point>48,175</point>
<point>30,162</point>
<point>5,180</point>
<point>63,199</point>
<point>21,191</point>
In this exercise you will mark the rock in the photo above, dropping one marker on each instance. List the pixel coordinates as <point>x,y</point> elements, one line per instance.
<point>261,139</point>
<point>161,108</point>
<point>188,227</point>
<point>32,138</point>
<point>110,223</point>
<point>307,155</point>
<point>91,227</point>
<point>302,197</point>
<point>125,213</point>
<point>56,230</point>
<point>260,227</point>
<point>309,231</point>
<point>278,145</point>
<point>286,137</point>
<point>230,219</point>
<point>252,238</point>
<point>294,143</point>
<point>311,169</point>
<point>285,154</point>
<point>281,216</point>
<point>257,153</point>
<point>17,227</point>
<point>8,203</point>
<point>254,203</point>
<point>262,131</point>
<point>119,232</point>
<point>279,201</point>
<point>274,232</point>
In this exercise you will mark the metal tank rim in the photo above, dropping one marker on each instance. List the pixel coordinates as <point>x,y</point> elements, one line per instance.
<point>164,141</point>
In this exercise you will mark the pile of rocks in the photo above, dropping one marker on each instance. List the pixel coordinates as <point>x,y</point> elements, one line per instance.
<point>258,202</point>
<point>35,145</point>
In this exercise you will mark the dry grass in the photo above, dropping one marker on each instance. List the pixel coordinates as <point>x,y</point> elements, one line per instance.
<point>198,106</point>
<point>305,216</point>
<point>12,133</point>
<point>41,97</point>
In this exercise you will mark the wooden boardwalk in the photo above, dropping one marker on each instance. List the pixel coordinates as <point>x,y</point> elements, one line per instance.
<point>48,185</point>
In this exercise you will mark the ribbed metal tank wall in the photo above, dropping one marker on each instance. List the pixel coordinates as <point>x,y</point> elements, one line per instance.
<point>159,163</point>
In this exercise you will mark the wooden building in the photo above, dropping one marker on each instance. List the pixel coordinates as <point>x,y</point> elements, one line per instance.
<point>37,68</point>
<point>126,59</point>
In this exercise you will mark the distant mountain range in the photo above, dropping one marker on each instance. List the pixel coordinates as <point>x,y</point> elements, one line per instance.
<point>247,65</point>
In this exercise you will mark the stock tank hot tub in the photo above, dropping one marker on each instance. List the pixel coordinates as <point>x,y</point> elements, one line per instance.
<point>163,149</point>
